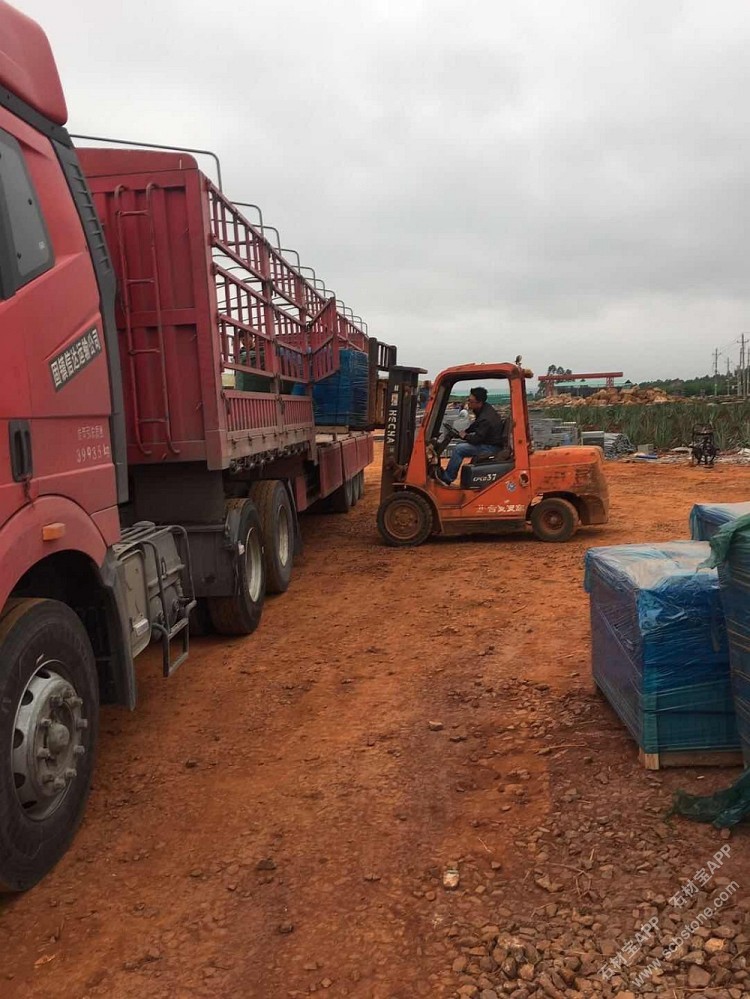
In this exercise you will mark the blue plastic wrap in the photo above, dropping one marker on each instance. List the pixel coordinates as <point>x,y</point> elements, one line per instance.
<point>341,399</point>
<point>730,551</point>
<point>707,518</point>
<point>659,648</point>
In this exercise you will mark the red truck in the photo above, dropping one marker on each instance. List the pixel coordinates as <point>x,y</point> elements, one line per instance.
<point>158,439</point>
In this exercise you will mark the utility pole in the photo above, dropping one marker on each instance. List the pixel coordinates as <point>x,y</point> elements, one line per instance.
<point>729,376</point>
<point>742,380</point>
<point>716,371</point>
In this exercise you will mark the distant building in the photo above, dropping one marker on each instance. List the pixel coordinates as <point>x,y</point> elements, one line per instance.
<point>584,387</point>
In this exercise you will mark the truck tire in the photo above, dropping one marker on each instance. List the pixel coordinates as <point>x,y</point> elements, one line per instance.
<point>405,520</point>
<point>277,524</point>
<point>240,613</point>
<point>554,519</point>
<point>342,500</point>
<point>361,480</point>
<point>49,721</point>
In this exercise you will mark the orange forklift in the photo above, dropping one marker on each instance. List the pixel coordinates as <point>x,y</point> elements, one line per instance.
<point>512,489</point>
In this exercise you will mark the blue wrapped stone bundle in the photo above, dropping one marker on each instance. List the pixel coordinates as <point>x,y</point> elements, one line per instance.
<point>341,399</point>
<point>659,646</point>
<point>707,518</point>
<point>730,552</point>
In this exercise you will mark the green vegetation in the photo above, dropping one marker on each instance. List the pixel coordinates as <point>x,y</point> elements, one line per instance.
<point>666,425</point>
<point>695,387</point>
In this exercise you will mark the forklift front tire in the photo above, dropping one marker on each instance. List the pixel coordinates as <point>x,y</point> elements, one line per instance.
<point>554,519</point>
<point>405,520</point>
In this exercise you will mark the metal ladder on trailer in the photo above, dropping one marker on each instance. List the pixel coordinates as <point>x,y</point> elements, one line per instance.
<point>127,285</point>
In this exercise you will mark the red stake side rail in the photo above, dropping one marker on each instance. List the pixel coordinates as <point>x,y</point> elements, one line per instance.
<point>202,293</point>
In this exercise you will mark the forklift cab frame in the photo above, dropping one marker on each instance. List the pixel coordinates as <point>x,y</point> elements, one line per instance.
<point>552,494</point>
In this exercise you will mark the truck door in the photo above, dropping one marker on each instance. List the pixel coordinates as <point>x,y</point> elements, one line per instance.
<point>54,388</point>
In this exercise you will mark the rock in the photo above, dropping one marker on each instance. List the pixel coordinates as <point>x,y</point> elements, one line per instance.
<point>265,865</point>
<point>451,879</point>
<point>286,928</point>
<point>488,994</point>
<point>526,972</point>
<point>551,886</point>
<point>625,995</point>
<point>509,967</point>
<point>549,988</point>
<point>435,726</point>
<point>459,965</point>
<point>698,978</point>
<point>725,932</point>
<point>714,945</point>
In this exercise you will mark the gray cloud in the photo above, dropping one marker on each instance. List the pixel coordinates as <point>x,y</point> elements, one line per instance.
<point>565,180</point>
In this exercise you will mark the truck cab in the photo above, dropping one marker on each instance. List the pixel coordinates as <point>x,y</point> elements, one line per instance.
<point>512,489</point>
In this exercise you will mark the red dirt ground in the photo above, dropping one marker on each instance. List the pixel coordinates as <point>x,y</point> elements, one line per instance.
<point>275,819</point>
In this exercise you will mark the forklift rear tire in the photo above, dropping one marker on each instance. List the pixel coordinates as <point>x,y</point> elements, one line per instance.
<point>405,520</point>
<point>240,613</point>
<point>554,519</point>
<point>342,500</point>
<point>277,523</point>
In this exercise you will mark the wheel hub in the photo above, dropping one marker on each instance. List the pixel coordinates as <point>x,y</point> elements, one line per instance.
<point>284,540</point>
<point>403,520</point>
<point>254,565</point>
<point>47,742</point>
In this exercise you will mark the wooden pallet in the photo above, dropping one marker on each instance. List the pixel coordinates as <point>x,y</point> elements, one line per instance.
<point>691,758</point>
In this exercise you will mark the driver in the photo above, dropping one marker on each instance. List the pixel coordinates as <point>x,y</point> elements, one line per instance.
<point>482,439</point>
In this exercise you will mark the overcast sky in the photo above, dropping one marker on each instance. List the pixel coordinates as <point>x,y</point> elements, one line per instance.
<point>568,181</point>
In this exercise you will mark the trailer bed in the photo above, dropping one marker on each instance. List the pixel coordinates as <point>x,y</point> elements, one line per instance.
<point>205,302</point>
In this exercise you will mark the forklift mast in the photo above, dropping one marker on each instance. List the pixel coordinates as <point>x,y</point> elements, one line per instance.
<point>400,424</point>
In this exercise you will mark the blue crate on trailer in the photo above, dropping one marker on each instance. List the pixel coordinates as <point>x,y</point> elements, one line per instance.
<point>659,645</point>
<point>707,518</point>
<point>341,399</point>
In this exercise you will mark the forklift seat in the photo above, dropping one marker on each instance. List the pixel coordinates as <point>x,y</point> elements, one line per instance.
<point>479,475</point>
<point>502,453</point>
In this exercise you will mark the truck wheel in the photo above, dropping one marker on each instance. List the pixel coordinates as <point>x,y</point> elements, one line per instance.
<point>240,614</point>
<point>342,499</point>
<point>554,519</point>
<point>49,719</point>
<point>360,480</point>
<point>277,523</point>
<point>405,519</point>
